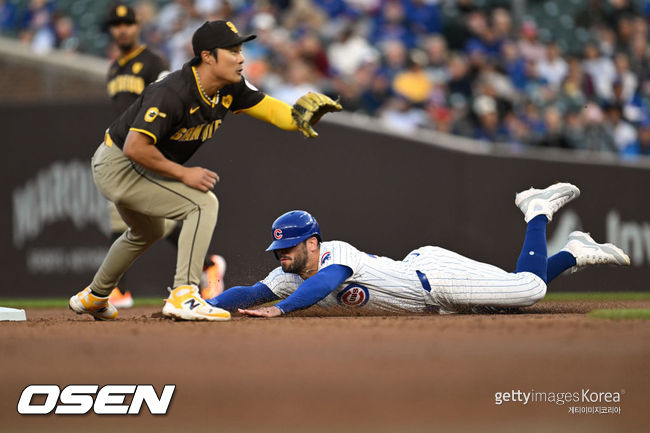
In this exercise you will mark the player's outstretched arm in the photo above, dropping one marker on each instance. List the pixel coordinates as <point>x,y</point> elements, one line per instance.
<point>243,297</point>
<point>309,293</point>
<point>273,111</point>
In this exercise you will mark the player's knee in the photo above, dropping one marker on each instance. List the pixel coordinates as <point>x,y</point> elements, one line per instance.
<point>147,235</point>
<point>210,206</point>
<point>536,295</point>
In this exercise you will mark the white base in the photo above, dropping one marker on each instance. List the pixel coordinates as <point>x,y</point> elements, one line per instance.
<point>12,314</point>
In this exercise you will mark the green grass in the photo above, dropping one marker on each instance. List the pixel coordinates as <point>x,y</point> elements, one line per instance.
<point>621,314</point>
<point>598,296</point>
<point>63,303</point>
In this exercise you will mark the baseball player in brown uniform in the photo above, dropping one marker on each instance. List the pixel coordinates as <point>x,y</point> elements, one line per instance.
<point>136,67</point>
<point>139,166</point>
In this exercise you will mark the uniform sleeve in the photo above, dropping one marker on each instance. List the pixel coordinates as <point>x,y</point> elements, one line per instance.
<point>243,297</point>
<point>273,111</point>
<point>244,95</point>
<point>315,288</point>
<point>340,253</point>
<point>282,284</point>
<point>160,109</point>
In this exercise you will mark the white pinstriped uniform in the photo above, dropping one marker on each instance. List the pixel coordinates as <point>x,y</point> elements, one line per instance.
<point>382,285</point>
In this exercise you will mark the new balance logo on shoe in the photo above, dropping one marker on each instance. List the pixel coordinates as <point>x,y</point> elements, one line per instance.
<point>191,303</point>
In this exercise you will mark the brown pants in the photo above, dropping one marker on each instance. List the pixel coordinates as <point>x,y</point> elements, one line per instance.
<point>146,201</point>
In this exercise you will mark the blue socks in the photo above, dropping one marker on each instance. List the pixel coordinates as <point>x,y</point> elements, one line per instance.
<point>533,253</point>
<point>559,263</point>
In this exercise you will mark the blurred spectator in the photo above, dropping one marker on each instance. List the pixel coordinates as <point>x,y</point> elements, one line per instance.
<point>529,46</point>
<point>413,84</point>
<point>626,78</point>
<point>488,126</point>
<point>596,135</point>
<point>601,69</point>
<point>423,16</point>
<point>390,24</point>
<point>553,68</point>
<point>554,134</point>
<point>642,144</point>
<point>38,26</point>
<point>349,51</point>
<point>623,133</point>
<point>8,16</point>
<point>65,34</point>
<point>459,81</point>
<point>300,78</point>
<point>400,116</point>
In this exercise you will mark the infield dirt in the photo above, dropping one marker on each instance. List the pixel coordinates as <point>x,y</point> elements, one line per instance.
<point>347,374</point>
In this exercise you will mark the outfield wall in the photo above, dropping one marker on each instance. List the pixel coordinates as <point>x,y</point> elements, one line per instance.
<point>384,193</point>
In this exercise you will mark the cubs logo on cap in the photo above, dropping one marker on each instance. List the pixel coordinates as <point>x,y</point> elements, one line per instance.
<point>277,234</point>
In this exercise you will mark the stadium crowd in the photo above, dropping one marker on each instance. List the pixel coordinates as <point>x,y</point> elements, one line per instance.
<point>474,71</point>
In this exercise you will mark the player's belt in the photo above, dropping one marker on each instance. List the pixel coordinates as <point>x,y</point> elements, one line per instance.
<point>424,281</point>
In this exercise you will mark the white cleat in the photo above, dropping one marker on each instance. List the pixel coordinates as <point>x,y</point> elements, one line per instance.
<point>533,202</point>
<point>588,252</point>
<point>185,303</point>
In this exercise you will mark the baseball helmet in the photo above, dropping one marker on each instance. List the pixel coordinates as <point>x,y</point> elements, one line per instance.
<point>292,228</point>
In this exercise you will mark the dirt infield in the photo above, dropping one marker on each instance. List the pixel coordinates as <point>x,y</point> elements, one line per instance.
<point>324,374</point>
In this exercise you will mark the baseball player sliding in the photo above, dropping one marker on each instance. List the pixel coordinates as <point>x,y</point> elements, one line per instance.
<point>139,166</point>
<point>336,276</point>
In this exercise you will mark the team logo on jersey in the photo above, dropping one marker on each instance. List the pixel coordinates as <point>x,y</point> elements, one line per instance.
<point>152,113</point>
<point>232,27</point>
<point>277,234</point>
<point>354,295</point>
<point>226,101</point>
<point>325,257</point>
<point>137,67</point>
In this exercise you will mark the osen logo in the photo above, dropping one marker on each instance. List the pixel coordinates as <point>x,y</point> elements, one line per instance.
<point>81,399</point>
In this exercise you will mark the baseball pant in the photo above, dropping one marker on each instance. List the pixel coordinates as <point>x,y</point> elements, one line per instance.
<point>458,282</point>
<point>145,201</point>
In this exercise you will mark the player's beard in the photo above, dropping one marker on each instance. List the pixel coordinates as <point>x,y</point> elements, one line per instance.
<point>126,47</point>
<point>299,262</point>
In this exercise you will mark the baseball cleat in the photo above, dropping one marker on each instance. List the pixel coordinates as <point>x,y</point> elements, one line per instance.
<point>533,202</point>
<point>184,303</point>
<point>97,306</point>
<point>588,252</point>
<point>212,277</point>
<point>119,300</point>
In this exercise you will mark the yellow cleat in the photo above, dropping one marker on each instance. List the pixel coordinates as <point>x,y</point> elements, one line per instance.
<point>184,303</point>
<point>96,306</point>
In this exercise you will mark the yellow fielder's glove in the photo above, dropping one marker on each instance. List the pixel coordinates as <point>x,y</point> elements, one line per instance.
<point>308,110</point>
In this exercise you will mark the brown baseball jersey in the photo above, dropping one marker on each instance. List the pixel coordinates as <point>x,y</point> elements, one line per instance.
<point>177,116</point>
<point>129,75</point>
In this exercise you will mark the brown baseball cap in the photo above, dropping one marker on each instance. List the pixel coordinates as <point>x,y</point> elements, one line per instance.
<point>121,13</point>
<point>217,34</point>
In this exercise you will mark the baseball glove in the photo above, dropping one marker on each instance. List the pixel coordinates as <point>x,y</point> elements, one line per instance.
<point>308,110</point>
